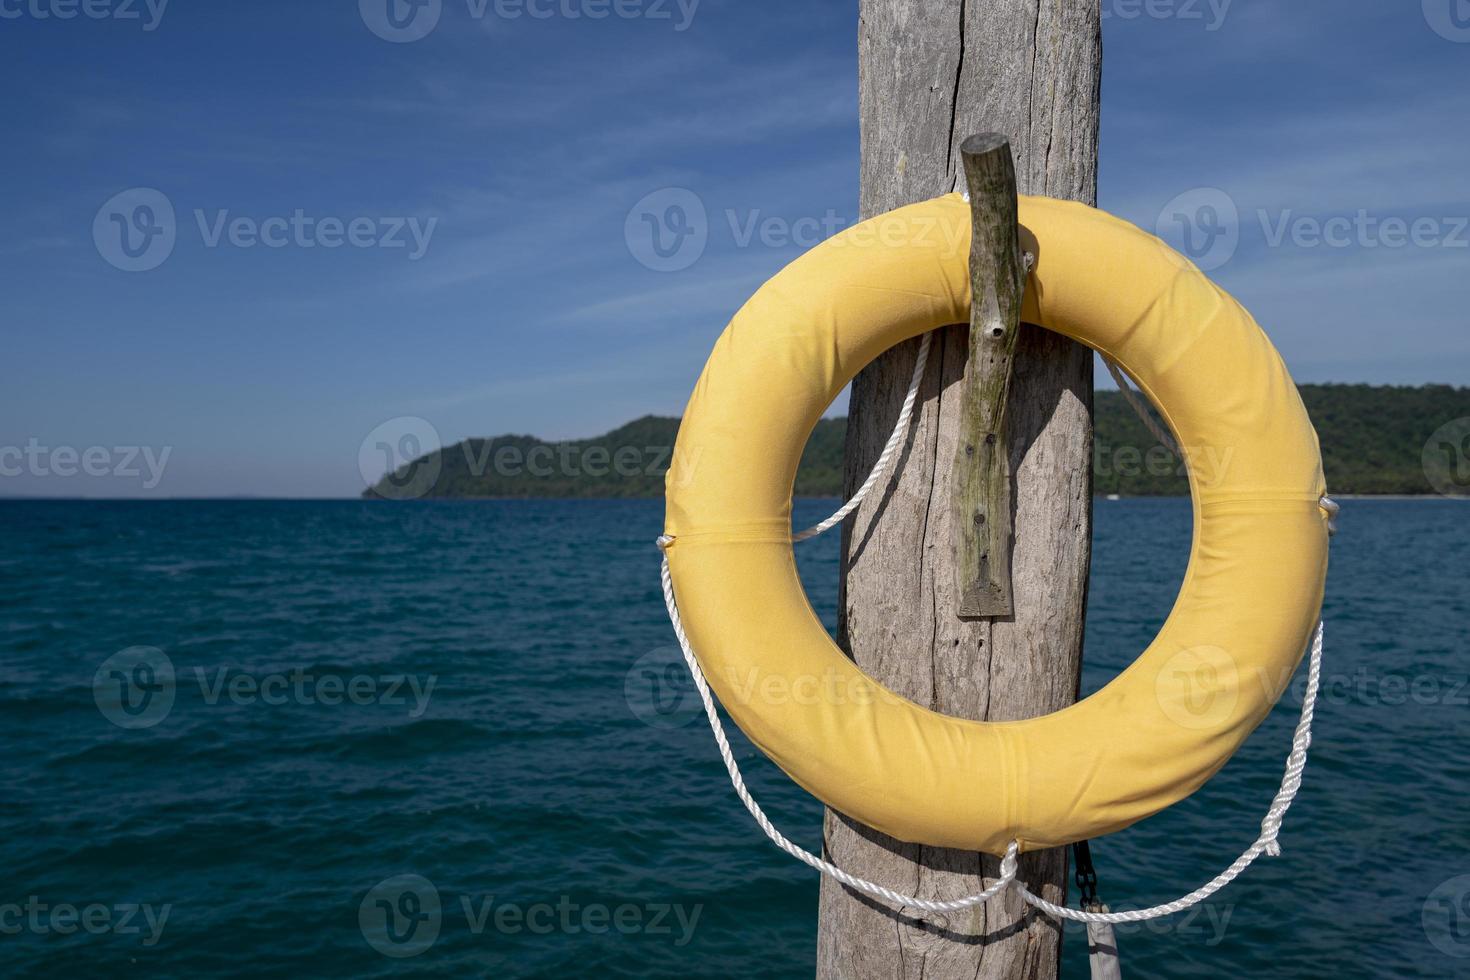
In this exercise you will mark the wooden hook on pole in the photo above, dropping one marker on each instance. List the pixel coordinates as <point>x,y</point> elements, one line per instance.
<point>984,521</point>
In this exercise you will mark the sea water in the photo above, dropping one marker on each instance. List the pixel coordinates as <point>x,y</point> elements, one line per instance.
<point>451,738</point>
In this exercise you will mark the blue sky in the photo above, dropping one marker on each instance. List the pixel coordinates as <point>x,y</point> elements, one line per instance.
<point>455,220</point>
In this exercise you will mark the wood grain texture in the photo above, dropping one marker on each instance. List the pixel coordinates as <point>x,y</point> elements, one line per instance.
<point>930,73</point>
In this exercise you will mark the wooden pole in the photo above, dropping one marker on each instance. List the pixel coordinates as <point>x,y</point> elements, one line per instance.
<point>930,73</point>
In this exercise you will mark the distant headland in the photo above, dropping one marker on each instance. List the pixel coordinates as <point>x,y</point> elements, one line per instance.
<point>1373,442</point>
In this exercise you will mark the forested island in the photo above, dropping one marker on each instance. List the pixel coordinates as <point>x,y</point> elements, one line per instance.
<point>1373,442</point>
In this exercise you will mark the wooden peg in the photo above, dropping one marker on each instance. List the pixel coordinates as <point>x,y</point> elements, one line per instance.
<point>982,478</point>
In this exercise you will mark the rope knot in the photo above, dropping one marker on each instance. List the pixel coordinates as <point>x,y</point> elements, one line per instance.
<point>1331,508</point>
<point>1008,863</point>
<point>1270,828</point>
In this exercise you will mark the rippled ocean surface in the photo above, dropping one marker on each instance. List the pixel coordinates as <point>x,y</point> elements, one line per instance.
<point>305,739</point>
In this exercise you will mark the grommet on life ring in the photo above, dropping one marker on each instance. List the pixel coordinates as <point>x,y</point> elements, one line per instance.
<point>1247,609</point>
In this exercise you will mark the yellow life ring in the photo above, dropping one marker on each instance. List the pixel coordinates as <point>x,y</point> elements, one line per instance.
<point>1157,732</point>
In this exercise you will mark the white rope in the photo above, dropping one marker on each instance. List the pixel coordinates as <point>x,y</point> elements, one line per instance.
<point>890,449</point>
<point>896,437</point>
<point>1007,864</point>
<point>1296,761</point>
<point>1139,408</point>
<point>1328,505</point>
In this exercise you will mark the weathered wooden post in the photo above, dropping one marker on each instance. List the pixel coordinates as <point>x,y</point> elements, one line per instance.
<point>930,73</point>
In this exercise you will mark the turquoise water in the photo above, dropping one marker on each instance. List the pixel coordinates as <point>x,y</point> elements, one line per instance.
<point>479,695</point>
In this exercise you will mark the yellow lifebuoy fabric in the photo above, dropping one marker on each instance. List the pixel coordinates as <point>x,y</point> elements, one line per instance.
<point>1157,732</point>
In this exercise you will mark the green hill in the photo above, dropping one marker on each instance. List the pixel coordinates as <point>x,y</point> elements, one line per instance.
<point>1372,442</point>
<point>627,462</point>
<point>1372,439</point>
